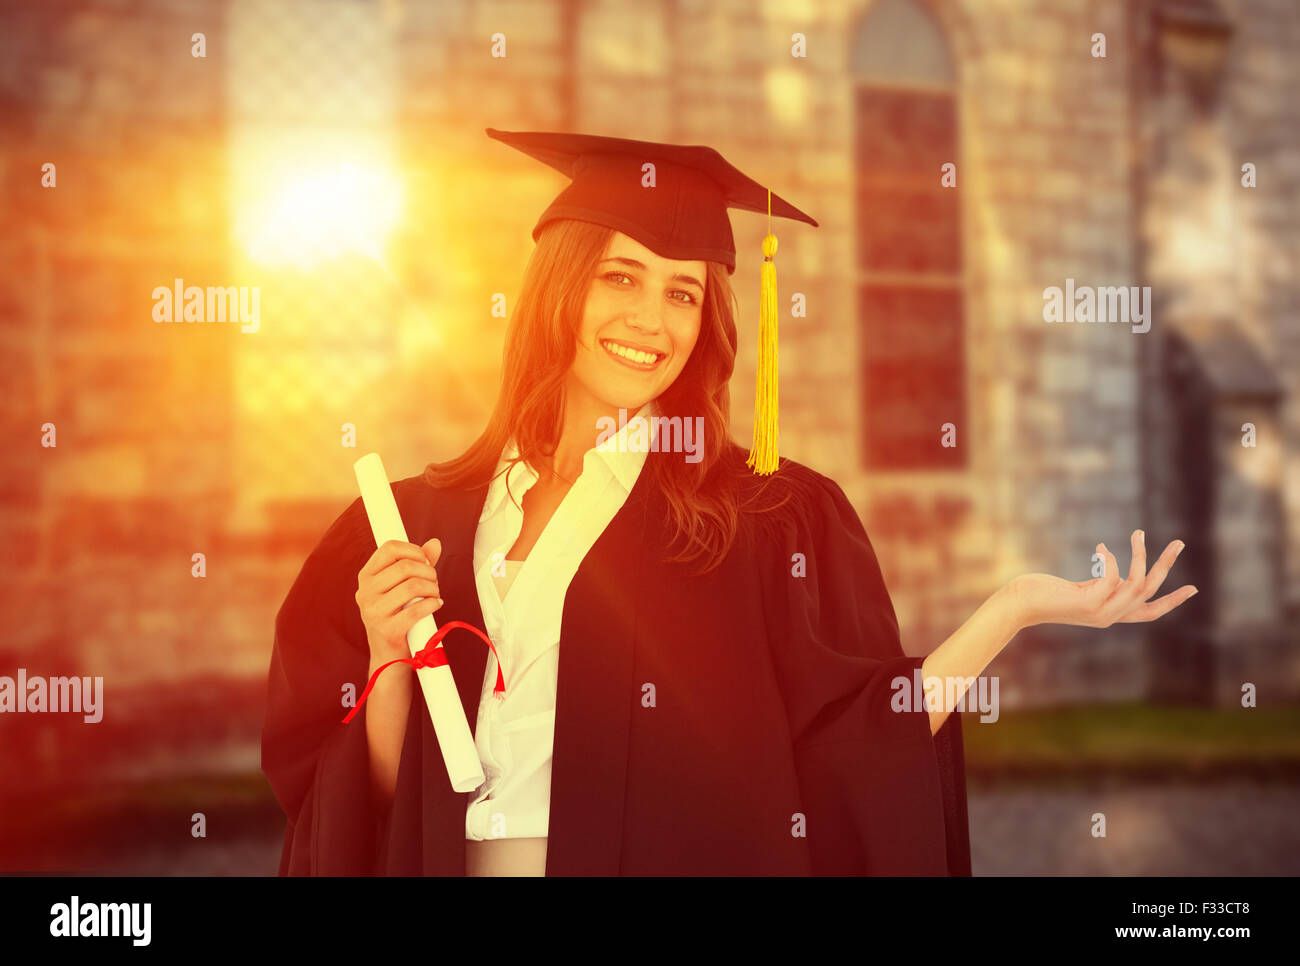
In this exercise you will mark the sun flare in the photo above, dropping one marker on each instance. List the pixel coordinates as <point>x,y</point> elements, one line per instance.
<point>308,216</point>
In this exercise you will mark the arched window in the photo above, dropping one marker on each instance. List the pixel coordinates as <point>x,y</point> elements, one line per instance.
<point>909,260</point>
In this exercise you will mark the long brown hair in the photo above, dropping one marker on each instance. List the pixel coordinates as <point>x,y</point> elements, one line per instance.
<point>541,341</point>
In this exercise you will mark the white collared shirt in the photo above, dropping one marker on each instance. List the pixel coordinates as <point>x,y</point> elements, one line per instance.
<point>515,736</point>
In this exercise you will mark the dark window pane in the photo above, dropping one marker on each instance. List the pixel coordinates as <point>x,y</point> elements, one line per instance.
<point>907,221</point>
<point>902,131</point>
<point>902,230</point>
<point>913,367</point>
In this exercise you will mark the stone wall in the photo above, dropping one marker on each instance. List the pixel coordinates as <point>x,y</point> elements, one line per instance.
<point>156,433</point>
<point>96,528</point>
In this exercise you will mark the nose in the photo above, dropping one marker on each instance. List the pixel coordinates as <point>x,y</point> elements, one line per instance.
<point>649,314</point>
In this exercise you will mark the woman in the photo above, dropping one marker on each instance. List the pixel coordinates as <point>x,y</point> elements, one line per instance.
<point>701,662</point>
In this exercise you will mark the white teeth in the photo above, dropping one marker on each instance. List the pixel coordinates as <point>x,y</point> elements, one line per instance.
<point>645,358</point>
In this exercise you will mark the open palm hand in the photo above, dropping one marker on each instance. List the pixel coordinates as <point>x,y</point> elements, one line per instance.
<point>1044,599</point>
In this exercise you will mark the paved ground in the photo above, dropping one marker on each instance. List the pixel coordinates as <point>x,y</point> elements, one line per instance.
<point>1230,829</point>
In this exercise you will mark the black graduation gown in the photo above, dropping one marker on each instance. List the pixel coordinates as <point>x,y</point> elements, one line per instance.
<point>772,700</point>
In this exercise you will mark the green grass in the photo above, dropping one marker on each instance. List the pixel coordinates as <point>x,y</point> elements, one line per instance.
<point>1136,739</point>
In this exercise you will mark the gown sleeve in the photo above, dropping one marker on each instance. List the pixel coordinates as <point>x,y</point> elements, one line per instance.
<point>318,767</point>
<point>868,775</point>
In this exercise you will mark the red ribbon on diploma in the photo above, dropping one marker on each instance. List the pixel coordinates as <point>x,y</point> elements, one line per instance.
<point>431,655</point>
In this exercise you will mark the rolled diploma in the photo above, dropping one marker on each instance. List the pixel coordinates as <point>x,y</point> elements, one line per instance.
<point>437,683</point>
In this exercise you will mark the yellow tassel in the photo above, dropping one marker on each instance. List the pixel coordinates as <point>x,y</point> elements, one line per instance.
<point>763,458</point>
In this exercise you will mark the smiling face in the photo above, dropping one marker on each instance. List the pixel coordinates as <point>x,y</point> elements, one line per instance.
<point>639,324</point>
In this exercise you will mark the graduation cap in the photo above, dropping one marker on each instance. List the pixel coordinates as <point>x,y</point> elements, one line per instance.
<point>682,215</point>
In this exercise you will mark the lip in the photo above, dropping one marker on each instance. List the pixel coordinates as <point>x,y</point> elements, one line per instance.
<point>640,367</point>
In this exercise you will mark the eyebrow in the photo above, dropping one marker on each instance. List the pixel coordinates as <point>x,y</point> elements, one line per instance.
<point>633,263</point>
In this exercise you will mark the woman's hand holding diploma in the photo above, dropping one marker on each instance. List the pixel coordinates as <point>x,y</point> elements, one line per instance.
<point>396,587</point>
<point>396,575</point>
<point>423,637</point>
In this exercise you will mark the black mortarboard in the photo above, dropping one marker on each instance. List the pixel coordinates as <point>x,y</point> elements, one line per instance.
<point>682,217</point>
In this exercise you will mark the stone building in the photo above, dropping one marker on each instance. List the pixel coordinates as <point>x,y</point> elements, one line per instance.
<point>925,300</point>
